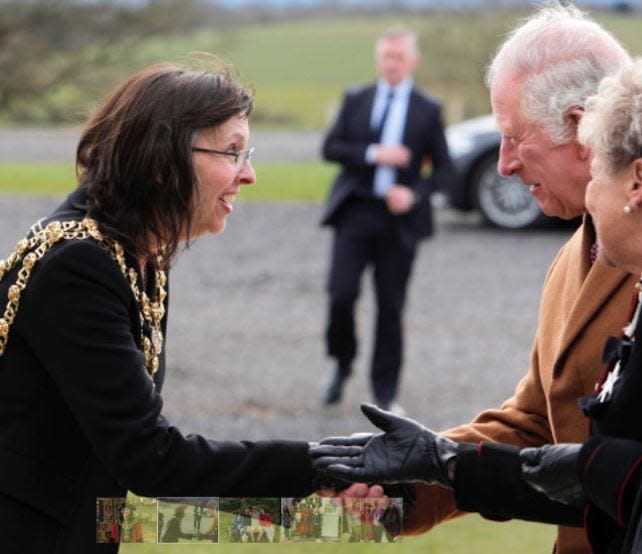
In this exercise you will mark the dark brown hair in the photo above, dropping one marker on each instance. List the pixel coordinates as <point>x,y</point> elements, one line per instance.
<point>134,156</point>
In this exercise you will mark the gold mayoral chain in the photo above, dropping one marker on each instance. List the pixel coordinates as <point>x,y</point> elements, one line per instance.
<point>36,245</point>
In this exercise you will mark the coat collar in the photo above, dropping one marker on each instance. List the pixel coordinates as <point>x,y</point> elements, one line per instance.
<point>588,289</point>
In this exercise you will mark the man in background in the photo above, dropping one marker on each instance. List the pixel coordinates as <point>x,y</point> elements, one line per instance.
<point>379,207</point>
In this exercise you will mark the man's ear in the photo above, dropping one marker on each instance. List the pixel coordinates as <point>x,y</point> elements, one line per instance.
<point>635,187</point>
<point>573,117</point>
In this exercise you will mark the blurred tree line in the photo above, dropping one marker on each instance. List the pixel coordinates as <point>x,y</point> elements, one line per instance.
<point>57,56</point>
<point>51,49</point>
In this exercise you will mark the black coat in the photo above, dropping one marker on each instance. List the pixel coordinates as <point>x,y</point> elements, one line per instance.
<point>612,479</point>
<point>348,139</point>
<point>79,418</point>
<point>612,458</point>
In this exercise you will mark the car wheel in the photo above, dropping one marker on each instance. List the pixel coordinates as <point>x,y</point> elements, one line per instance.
<point>503,201</point>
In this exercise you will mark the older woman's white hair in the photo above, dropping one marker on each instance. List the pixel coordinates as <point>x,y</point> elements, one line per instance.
<point>612,123</point>
<point>559,56</point>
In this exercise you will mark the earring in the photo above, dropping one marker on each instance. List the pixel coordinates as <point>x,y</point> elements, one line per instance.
<point>628,209</point>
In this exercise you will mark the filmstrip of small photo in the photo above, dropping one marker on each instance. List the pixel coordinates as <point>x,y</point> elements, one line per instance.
<point>214,520</point>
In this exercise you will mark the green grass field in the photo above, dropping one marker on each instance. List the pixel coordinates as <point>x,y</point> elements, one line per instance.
<point>275,181</point>
<point>37,178</point>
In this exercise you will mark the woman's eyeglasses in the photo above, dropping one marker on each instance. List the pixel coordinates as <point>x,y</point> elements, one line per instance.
<point>240,156</point>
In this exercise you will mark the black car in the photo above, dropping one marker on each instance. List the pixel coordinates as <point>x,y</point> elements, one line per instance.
<point>503,201</point>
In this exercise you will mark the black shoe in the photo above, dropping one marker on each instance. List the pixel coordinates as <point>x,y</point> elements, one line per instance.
<point>333,392</point>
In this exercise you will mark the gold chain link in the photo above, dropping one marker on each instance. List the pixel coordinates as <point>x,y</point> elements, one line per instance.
<point>33,248</point>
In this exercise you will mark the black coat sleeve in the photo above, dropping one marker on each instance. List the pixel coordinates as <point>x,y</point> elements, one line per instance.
<point>611,474</point>
<point>488,480</point>
<point>79,319</point>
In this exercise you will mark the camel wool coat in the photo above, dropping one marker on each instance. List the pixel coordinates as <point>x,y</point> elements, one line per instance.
<point>581,304</point>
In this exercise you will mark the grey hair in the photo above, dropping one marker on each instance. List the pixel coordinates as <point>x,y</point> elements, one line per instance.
<point>397,32</point>
<point>559,56</point>
<point>612,123</point>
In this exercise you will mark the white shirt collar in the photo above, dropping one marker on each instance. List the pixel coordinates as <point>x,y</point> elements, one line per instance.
<point>403,88</point>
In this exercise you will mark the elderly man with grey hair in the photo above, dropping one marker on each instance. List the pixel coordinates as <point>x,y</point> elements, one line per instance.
<point>539,81</point>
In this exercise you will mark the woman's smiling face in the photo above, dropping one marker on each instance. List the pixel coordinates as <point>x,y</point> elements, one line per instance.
<point>218,176</point>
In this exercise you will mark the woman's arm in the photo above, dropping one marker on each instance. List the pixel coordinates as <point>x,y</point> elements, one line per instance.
<point>80,320</point>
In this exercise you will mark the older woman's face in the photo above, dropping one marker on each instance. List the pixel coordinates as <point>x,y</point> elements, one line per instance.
<point>219,178</point>
<point>619,234</point>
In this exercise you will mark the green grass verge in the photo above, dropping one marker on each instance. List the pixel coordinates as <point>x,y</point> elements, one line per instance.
<point>37,178</point>
<point>290,181</point>
<point>275,181</point>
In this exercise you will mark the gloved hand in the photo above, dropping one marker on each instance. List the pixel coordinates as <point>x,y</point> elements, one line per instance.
<point>322,482</point>
<point>552,469</point>
<point>406,452</point>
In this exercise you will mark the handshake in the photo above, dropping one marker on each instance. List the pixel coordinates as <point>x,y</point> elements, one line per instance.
<point>408,452</point>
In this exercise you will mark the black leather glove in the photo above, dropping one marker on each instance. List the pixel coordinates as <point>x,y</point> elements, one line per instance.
<point>322,480</point>
<point>553,470</point>
<point>406,452</point>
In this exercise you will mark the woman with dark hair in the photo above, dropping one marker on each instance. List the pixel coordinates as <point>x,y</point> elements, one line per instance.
<point>82,358</point>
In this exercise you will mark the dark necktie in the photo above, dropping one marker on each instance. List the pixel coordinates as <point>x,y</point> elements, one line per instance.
<point>384,115</point>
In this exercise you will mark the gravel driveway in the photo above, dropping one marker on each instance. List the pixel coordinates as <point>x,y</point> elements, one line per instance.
<point>246,358</point>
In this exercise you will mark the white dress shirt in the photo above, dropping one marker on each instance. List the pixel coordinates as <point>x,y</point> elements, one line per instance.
<point>393,129</point>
